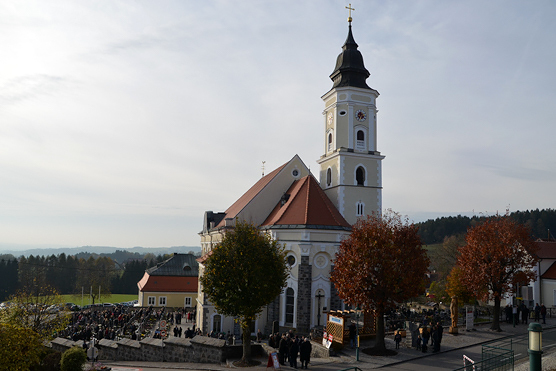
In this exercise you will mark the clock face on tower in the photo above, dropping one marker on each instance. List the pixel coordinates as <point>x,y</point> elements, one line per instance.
<point>360,115</point>
<point>330,118</point>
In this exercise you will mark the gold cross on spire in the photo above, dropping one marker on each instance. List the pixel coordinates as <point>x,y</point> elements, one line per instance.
<point>350,9</point>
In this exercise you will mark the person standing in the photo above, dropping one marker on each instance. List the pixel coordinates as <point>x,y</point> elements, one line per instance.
<point>537,312</point>
<point>283,349</point>
<point>305,349</point>
<point>543,313</point>
<point>425,336</point>
<point>294,350</point>
<point>352,335</point>
<point>524,313</point>
<point>398,339</point>
<point>259,336</point>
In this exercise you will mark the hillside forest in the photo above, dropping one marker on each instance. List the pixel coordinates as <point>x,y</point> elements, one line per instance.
<point>115,273</point>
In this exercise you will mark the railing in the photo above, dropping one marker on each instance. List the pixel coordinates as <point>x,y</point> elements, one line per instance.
<point>493,358</point>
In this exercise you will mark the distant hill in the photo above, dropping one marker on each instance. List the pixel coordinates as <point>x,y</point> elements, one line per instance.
<point>99,250</point>
<point>542,224</point>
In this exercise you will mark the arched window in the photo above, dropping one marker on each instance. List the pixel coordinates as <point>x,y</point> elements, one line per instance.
<point>217,323</point>
<point>329,141</point>
<point>290,301</point>
<point>360,144</point>
<point>328,177</point>
<point>360,176</point>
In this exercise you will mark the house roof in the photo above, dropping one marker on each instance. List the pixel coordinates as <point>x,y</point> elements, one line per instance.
<point>185,265</point>
<point>550,273</point>
<point>167,283</point>
<point>546,250</point>
<point>305,203</point>
<point>248,196</point>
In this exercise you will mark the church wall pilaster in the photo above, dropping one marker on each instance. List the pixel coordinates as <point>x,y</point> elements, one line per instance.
<point>304,296</point>
<point>335,301</point>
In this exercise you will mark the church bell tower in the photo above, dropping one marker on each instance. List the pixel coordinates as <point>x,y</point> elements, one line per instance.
<point>350,169</point>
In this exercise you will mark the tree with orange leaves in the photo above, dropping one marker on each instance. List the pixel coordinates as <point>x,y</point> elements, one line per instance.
<point>380,264</point>
<point>498,254</point>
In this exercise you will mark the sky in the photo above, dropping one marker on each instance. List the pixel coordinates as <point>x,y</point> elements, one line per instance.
<point>122,122</point>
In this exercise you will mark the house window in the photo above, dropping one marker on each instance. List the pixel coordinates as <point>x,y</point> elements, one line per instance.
<point>328,177</point>
<point>162,301</point>
<point>360,209</point>
<point>152,300</point>
<point>360,176</point>
<point>290,300</point>
<point>187,303</point>
<point>217,323</point>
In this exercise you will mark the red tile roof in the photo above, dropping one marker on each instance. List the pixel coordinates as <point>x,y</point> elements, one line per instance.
<point>550,272</point>
<point>307,205</point>
<point>244,200</point>
<point>546,250</point>
<point>167,283</point>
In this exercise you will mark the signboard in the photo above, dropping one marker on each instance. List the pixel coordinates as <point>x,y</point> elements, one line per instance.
<point>163,324</point>
<point>273,361</point>
<point>327,340</point>
<point>336,320</point>
<point>163,333</point>
<point>469,318</point>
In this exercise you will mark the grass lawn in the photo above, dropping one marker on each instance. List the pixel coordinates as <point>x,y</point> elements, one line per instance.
<point>114,298</point>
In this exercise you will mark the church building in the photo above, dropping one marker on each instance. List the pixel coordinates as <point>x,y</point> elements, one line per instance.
<point>310,217</point>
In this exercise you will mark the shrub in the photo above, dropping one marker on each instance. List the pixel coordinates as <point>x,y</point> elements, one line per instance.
<point>73,359</point>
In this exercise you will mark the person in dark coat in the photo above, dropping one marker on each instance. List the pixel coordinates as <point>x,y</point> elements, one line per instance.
<point>537,312</point>
<point>426,335</point>
<point>352,335</point>
<point>305,349</point>
<point>282,349</point>
<point>440,330</point>
<point>524,313</point>
<point>398,339</point>
<point>435,340</point>
<point>294,350</point>
<point>543,313</point>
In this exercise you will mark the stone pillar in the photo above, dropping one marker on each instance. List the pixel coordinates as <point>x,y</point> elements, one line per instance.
<point>304,296</point>
<point>273,314</point>
<point>335,301</point>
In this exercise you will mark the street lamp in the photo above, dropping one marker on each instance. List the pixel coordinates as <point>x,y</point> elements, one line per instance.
<point>357,313</point>
<point>535,346</point>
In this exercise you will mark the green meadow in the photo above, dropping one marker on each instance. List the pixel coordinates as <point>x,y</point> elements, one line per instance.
<point>114,298</point>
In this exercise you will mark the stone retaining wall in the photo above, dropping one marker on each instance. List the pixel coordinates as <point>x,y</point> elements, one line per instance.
<point>201,349</point>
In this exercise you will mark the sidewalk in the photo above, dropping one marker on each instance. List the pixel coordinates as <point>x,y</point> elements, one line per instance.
<point>347,358</point>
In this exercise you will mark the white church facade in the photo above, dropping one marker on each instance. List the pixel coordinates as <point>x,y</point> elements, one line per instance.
<point>310,217</point>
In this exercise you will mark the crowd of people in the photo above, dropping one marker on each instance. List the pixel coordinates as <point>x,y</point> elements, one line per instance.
<point>434,334</point>
<point>516,312</point>
<point>103,323</point>
<point>290,347</point>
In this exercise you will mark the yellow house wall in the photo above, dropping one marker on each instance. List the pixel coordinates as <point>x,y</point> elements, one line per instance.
<point>172,299</point>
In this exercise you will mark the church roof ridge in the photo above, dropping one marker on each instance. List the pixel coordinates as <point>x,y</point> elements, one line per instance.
<point>307,205</point>
<point>242,202</point>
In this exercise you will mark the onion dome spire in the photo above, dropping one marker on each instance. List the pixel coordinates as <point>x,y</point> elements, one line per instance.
<point>350,69</point>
